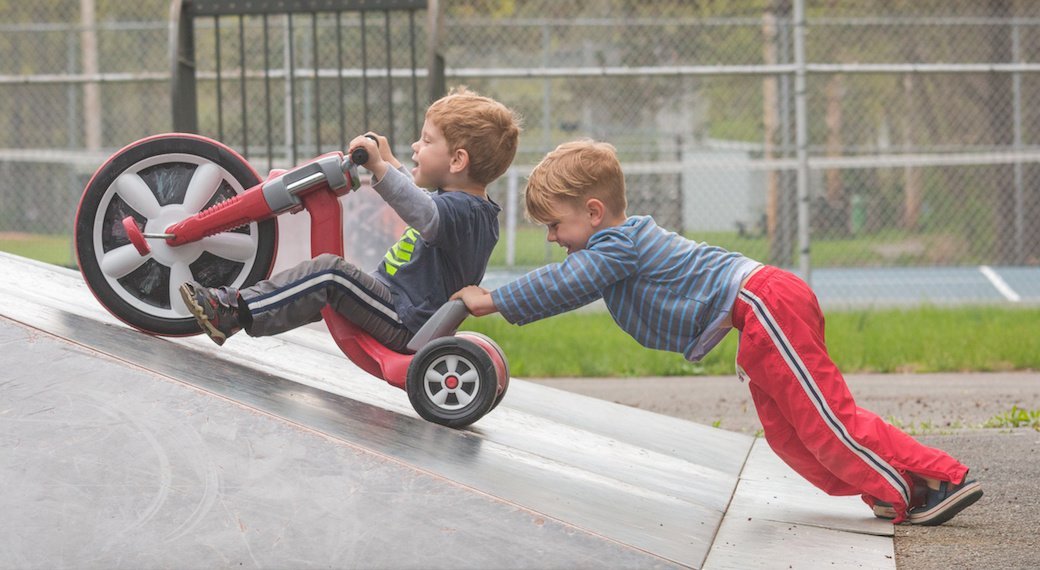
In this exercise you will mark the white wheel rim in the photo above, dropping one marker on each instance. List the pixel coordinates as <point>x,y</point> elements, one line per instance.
<point>121,261</point>
<point>451,382</point>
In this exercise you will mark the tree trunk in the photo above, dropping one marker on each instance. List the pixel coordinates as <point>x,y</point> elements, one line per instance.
<point>835,93</point>
<point>91,90</point>
<point>911,175</point>
<point>771,123</point>
<point>781,208</point>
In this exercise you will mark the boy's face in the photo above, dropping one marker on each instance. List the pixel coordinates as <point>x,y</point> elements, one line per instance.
<point>571,225</point>
<point>432,157</point>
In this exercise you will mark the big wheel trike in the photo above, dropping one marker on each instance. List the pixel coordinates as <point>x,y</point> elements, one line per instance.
<point>178,207</point>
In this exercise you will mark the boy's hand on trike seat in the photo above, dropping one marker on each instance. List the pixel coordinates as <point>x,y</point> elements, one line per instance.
<point>477,299</point>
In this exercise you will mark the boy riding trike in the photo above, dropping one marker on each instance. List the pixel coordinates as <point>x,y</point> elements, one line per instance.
<point>181,207</point>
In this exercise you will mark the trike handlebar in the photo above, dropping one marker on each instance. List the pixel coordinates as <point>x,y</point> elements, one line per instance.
<point>358,156</point>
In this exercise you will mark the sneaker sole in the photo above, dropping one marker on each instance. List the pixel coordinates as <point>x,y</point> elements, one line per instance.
<point>200,315</point>
<point>884,512</point>
<point>949,508</point>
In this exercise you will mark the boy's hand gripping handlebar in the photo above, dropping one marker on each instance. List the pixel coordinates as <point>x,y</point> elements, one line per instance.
<point>359,155</point>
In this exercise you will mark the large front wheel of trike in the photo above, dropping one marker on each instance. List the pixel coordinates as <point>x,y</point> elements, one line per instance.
<point>160,181</point>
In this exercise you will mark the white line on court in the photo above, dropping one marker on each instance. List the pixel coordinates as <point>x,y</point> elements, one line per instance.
<point>999,283</point>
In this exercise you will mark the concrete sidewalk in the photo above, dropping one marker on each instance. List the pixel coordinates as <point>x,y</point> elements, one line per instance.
<point>946,411</point>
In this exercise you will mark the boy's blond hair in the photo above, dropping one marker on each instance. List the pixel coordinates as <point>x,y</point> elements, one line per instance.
<point>488,131</point>
<point>574,172</point>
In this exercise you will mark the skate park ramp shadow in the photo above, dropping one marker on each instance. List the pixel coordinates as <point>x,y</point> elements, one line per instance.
<point>125,450</point>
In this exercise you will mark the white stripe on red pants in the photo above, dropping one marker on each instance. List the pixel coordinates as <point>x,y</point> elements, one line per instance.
<point>808,415</point>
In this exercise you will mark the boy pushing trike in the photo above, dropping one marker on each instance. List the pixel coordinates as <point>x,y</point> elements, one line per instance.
<point>671,293</point>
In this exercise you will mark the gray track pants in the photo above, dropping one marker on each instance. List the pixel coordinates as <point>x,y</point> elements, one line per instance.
<point>296,297</point>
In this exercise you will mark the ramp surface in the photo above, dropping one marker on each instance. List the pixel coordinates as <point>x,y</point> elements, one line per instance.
<point>125,450</point>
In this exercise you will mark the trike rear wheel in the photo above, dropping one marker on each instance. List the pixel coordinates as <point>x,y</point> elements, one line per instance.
<point>501,366</point>
<point>452,382</point>
<point>160,181</point>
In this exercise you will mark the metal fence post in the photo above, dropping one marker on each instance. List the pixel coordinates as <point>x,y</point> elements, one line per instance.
<point>1016,101</point>
<point>435,64</point>
<point>801,140</point>
<point>91,90</point>
<point>182,81</point>
<point>512,203</point>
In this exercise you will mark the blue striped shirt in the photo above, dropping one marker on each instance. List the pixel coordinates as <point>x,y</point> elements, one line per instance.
<point>666,291</point>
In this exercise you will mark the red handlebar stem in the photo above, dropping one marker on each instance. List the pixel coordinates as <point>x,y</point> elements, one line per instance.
<point>247,207</point>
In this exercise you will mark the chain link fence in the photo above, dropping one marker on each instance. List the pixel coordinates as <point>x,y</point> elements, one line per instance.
<point>78,80</point>
<point>916,146</point>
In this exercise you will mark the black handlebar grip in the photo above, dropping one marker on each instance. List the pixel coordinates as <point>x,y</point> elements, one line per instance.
<point>359,155</point>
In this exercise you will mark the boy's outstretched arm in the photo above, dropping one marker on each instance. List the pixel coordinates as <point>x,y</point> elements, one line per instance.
<point>477,299</point>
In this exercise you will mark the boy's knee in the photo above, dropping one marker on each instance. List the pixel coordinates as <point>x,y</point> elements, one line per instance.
<point>331,261</point>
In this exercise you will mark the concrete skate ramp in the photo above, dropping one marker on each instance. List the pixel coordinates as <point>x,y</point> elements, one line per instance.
<point>126,450</point>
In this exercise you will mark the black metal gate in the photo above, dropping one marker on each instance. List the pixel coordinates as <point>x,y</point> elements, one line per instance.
<point>285,80</point>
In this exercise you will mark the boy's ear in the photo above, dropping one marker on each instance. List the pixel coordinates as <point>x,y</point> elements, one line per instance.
<point>459,161</point>
<point>597,211</point>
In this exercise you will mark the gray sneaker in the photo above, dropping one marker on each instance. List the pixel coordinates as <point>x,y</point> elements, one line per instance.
<point>944,503</point>
<point>216,309</point>
<point>885,510</point>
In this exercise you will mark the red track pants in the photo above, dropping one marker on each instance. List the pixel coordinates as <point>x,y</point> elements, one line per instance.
<point>808,415</point>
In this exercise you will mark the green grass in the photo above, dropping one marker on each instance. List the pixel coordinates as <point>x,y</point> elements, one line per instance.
<point>531,249</point>
<point>587,344</point>
<point>913,340</point>
<point>55,249</point>
<point>1016,418</point>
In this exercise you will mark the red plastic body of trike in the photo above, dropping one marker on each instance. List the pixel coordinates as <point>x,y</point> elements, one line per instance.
<point>368,353</point>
